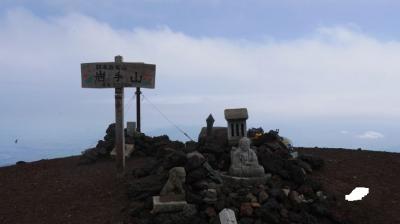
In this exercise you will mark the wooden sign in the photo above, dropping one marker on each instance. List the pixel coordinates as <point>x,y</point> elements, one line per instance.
<point>118,74</point>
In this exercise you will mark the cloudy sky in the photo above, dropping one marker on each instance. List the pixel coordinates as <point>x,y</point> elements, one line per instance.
<point>326,73</point>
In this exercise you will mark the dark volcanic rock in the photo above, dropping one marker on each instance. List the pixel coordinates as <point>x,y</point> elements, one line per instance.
<point>193,197</point>
<point>319,208</point>
<point>110,132</point>
<point>314,161</point>
<point>272,205</point>
<point>314,184</point>
<point>203,163</point>
<point>212,148</point>
<point>246,220</point>
<point>295,172</point>
<point>194,161</point>
<point>175,159</point>
<point>188,215</point>
<point>149,168</point>
<point>304,165</point>
<point>196,175</point>
<point>148,186</point>
<point>246,209</point>
<point>267,215</point>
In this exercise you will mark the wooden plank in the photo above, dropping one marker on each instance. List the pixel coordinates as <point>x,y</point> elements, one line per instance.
<point>118,74</point>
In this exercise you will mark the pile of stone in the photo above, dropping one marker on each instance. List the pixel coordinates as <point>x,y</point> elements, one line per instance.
<point>282,193</point>
<point>102,149</point>
<point>157,147</point>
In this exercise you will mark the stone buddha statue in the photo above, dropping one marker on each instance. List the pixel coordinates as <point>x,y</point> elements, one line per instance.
<point>244,162</point>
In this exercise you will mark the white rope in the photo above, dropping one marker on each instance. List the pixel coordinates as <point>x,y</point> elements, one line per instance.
<point>129,103</point>
<point>166,118</point>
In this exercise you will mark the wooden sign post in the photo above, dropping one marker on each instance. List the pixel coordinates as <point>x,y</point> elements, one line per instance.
<point>118,75</point>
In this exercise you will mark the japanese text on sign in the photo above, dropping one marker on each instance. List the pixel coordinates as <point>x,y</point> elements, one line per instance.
<point>114,74</point>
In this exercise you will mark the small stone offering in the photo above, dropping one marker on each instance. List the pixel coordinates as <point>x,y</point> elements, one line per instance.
<point>173,189</point>
<point>172,195</point>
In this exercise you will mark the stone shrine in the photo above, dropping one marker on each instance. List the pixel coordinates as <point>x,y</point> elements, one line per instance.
<point>237,128</point>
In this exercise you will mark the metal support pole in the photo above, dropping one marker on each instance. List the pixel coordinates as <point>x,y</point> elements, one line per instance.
<point>138,109</point>
<point>119,126</point>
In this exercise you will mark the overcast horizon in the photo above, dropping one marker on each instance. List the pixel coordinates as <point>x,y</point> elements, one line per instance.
<point>324,73</point>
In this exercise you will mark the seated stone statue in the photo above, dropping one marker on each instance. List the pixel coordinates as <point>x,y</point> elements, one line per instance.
<point>244,162</point>
<point>173,189</point>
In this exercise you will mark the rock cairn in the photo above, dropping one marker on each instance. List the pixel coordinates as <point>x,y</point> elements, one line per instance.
<point>289,196</point>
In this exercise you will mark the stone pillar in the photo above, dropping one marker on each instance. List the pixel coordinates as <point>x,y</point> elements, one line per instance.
<point>210,122</point>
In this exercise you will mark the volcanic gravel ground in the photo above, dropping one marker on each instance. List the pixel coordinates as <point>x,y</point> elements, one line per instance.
<point>60,191</point>
<point>379,171</point>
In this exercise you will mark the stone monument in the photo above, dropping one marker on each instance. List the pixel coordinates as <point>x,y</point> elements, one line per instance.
<point>172,195</point>
<point>244,169</point>
<point>244,162</point>
<point>130,128</point>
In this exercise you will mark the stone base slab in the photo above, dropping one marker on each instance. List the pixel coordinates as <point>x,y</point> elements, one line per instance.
<point>228,180</point>
<point>170,206</point>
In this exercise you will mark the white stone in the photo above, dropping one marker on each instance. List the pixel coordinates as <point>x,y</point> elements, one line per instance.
<point>294,154</point>
<point>286,191</point>
<point>288,143</point>
<point>227,216</point>
<point>357,194</point>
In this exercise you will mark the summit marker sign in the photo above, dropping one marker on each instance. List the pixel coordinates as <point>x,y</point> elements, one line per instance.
<point>118,74</point>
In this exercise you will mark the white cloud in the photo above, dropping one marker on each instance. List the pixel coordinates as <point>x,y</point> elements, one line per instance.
<point>336,72</point>
<point>344,132</point>
<point>371,135</point>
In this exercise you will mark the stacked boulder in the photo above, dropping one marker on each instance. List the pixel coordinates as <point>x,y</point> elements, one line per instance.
<point>102,149</point>
<point>289,196</point>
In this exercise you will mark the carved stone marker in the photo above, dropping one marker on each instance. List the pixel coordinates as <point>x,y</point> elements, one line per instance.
<point>227,216</point>
<point>244,162</point>
<point>130,128</point>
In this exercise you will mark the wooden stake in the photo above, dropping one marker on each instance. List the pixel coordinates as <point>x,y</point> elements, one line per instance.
<point>119,125</point>
<point>138,92</point>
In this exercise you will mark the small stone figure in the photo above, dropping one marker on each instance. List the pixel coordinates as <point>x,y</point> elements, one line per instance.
<point>244,162</point>
<point>174,185</point>
<point>172,196</point>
